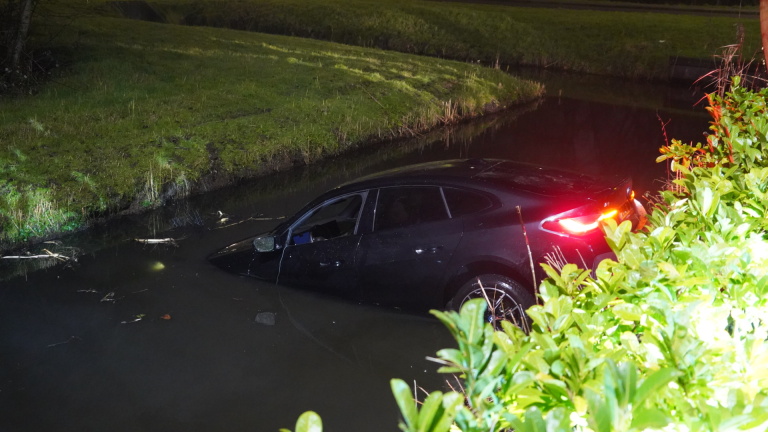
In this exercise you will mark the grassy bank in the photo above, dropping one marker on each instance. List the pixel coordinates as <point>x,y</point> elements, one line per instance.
<point>144,112</point>
<point>629,44</point>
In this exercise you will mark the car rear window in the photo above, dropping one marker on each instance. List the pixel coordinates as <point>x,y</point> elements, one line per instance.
<point>542,180</point>
<point>463,202</point>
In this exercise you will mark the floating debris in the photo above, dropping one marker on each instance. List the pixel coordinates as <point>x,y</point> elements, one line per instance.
<point>266,318</point>
<point>24,262</point>
<point>159,241</point>
<point>46,255</point>
<point>110,297</point>
<point>90,290</point>
<point>165,317</point>
<point>224,219</point>
<point>70,340</point>
<point>137,318</point>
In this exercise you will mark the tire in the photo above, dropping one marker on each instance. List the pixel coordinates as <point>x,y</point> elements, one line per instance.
<point>507,299</point>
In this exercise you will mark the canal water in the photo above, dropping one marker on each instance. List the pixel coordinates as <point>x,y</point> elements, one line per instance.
<point>141,337</point>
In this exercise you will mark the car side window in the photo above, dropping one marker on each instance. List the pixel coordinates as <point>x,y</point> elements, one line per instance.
<point>399,207</point>
<point>462,202</point>
<point>334,218</point>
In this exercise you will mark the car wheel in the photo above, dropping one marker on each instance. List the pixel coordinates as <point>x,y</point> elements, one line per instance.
<point>507,300</point>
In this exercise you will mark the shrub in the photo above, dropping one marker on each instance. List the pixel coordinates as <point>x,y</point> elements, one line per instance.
<point>670,337</point>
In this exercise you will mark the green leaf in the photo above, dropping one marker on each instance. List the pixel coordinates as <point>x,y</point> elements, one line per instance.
<point>601,413</point>
<point>649,419</point>
<point>448,318</point>
<point>627,378</point>
<point>472,319</point>
<point>707,201</point>
<point>628,311</point>
<point>405,402</point>
<point>452,402</point>
<point>452,355</point>
<point>558,420</point>
<point>309,422</point>
<point>658,379</point>
<point>533,421</point>
<point>429,410</point>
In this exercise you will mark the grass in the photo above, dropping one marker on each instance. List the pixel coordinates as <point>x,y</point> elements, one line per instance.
<point>661,5</point>
<point>144,112</point>
<point>627,44</point>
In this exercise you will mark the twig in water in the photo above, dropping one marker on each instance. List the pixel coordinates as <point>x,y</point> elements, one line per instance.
<point>247,220</point>
<point>47,254</point>
<point>71,339</point>
<point>152,241</point>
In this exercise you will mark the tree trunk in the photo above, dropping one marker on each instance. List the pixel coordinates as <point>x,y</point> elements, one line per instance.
<point>19,41</point>
<point>764,28</point>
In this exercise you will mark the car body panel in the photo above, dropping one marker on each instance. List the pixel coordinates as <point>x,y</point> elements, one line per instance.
<point>328,266</point>
<point>420,256</point>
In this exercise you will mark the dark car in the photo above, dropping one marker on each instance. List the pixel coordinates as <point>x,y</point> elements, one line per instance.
<point>434,235</point>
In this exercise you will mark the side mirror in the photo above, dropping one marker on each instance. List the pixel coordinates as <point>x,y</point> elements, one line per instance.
<point>265,243</point>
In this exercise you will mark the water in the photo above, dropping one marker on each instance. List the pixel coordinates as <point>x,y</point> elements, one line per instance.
<point>153,338</point>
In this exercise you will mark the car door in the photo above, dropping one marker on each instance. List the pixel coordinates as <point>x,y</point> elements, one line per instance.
<point>321,246</point>
<point>402,262</point>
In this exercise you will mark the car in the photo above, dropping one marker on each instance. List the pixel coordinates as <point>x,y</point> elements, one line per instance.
<point>437,234</point>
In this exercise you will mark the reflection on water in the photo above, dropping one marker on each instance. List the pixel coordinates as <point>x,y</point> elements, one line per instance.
<point>151,337</point>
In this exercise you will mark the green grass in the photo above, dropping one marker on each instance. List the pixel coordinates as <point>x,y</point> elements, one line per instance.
<point>653,6</point>
<point>144,112</point>
<point>628,44</point>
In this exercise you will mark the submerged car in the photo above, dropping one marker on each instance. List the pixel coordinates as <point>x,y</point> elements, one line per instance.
<point>434,235</point>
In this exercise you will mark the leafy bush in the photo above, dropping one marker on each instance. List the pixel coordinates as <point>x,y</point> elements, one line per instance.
<point>670,337</point>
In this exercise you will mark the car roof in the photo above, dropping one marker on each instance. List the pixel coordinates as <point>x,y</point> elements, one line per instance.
<point>497,174</point>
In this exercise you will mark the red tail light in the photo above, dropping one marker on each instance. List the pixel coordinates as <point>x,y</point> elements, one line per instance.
<point>577,224</point>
